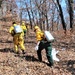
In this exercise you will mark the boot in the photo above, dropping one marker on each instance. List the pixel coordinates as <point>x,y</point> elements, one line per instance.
<point>23,52</point>
<point>50,64</point>
<point>17,52</point>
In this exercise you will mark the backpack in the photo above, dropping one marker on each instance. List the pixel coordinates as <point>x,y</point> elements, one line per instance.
<point>18,29</point>
<point>48,36</point>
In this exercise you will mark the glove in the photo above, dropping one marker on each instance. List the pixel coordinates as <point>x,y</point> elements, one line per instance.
<point>37,46</point>
<point>12,33</point>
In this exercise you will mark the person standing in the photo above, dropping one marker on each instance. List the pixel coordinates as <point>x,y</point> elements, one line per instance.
<point>18,38</point>
<point>43,43</point>
<point>24,27</point>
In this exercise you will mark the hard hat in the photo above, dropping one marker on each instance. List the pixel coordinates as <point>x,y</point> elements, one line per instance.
<point>14,24</point>
<point>36,27</point>
<point>23,21</point>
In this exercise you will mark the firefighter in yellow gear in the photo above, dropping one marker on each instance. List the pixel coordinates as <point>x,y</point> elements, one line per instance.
<point>42,43</point>
<point>18,39</point>
<point>24,27</point>
<point>39,33</point>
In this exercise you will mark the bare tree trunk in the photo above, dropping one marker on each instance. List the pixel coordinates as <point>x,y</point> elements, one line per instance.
<point>0,2</point>
<point>29,15</point>
<point>20,16</point>
<point>47,22</point>
<point>61,15</point>
<point>53,11</point>
<point>32,13</point>
<point>58,22</point>
<point>46,14</point>
<point>70,2</point>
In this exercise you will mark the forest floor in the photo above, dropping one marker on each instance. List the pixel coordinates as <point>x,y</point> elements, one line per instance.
<point>28,64</point>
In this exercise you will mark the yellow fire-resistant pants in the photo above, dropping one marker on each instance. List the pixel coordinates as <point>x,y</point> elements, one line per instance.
<point>18,41</point>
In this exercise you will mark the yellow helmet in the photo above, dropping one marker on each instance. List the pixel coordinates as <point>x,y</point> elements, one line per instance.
<point>23,23</point>
<point>36,27</point>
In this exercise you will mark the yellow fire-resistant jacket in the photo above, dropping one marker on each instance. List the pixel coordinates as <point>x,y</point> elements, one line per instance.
<point>24,27</point>
<point>11,30</point>
<point>18,38</point>
<point>39,35</point>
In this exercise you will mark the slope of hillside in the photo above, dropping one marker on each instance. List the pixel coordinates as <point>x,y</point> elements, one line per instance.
<point>13,64</point>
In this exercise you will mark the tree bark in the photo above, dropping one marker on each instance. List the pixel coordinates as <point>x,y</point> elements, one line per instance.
<point>70,12</point>
<point>61,15</point>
